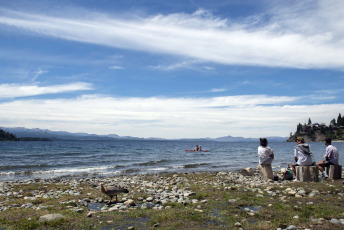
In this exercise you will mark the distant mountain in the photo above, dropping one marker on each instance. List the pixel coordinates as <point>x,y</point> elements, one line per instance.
<point>56,135</point>
<point>243,139</point>
<point>21,132</point>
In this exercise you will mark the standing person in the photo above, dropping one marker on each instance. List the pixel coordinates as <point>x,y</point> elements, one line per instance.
<point>265,153</point>
<point>303,154</point>
<point>331,157</point>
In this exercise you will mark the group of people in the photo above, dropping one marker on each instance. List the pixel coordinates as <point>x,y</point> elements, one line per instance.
<point>198,148</point>
<point>302,154</point>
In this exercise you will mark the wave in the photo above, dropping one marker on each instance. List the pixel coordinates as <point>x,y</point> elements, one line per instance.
<point>196,165</point>
<point>150,163</point>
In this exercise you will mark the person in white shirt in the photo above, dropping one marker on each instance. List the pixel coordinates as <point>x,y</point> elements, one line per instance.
<point>331,157</point>
<point>265,154</point>
<point>303,154</point>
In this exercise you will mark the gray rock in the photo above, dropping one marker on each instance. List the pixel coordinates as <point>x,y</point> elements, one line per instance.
<point>291,227</point>
<point>334,221</point>
<point>50,217</point>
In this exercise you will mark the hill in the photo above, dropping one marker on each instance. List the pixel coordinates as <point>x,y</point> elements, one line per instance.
<point>318,132</point>
<point>6,136</point>
<point>21,132</point>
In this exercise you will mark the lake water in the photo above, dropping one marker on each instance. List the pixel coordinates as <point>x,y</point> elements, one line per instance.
<point>23,160</point>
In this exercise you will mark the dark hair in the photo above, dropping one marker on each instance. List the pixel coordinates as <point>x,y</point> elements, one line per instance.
<point>263,142</point>
<point>328,140</point>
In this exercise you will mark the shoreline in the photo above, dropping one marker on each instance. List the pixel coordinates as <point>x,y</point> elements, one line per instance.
<point>197,200</point>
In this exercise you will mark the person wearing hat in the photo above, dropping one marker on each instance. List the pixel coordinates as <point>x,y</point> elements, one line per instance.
<point>302,154</point>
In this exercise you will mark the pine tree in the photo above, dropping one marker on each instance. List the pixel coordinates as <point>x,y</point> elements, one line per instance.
<point>309,121</point>
<point>339,120</point>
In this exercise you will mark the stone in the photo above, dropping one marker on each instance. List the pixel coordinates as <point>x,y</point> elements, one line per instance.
<point>130,202</point>
<point>247,171</point>
<point>237,224</point>
<point>50,217</point>
<point>334,221</point>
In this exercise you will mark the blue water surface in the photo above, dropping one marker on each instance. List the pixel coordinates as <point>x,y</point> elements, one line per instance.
<point>23,160</point>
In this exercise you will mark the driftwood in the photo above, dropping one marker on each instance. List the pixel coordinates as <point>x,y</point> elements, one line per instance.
<point>266,170</point>
<point>334,172</point>
<point>307,173</point>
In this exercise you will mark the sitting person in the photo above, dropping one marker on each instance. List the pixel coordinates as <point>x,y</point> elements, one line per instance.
<point>196,148</point>
<point>265,154</point>
<point>303,154</point>
<point>331,157</point>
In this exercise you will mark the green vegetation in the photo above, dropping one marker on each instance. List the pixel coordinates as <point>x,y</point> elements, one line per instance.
<point>224,209</point>
<point>5,136</point>
<point>318,132</point>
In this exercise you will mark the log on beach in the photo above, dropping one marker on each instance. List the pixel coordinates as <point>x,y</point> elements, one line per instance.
<point>334,172</point>
<point>307,173</point>
<point>266,171</point>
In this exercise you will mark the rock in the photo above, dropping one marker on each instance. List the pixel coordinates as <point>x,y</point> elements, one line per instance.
<point>291,227</point>
<point>50,217</point>
<point>247,171</point>
<point>129,203</point>
<point>334,221</point>
<point>237,224</point>
<point>149,199</point>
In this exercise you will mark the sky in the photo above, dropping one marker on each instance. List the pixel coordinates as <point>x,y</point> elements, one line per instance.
<point>171,69</point>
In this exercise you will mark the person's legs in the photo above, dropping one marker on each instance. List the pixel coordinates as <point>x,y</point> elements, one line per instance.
<point>293,168</point>
<point>321,166</point>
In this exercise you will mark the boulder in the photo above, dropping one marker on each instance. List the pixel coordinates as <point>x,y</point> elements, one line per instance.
<point>50,217</point>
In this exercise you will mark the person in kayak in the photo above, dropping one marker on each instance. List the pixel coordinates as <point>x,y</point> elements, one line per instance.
<point>196,148</point>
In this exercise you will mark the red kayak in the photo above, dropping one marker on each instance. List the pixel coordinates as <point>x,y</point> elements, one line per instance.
<point>192,150</point>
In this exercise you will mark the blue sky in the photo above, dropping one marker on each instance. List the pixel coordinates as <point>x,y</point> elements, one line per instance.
<point>171,69</point>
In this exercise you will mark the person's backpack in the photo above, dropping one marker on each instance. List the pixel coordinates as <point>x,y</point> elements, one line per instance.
<point>288,175</point>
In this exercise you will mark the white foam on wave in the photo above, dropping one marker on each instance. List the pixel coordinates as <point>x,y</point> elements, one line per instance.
<point>63,171</point>
<point>157,169</point>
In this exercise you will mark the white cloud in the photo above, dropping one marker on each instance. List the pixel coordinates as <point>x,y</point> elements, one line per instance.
<point>16,90</point>
<point>307,35</point>
<point>245,115</point>
<point>217,90</point>
<point>115,67</point>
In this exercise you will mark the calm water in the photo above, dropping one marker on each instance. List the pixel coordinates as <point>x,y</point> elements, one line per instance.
<point>23,160</point>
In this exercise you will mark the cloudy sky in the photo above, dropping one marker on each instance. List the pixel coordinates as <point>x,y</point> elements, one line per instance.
<point>171,69</point>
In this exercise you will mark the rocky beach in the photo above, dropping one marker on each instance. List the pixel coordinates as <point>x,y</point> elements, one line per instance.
<point>202,200</point>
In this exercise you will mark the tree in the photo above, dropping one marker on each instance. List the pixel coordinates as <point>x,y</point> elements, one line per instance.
<point>339,120</point>
<point>5,136</point>
<point>309,121</point>
<point>333,122</point>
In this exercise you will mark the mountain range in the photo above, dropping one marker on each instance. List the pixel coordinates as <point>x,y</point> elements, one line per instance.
<point>63,135</point>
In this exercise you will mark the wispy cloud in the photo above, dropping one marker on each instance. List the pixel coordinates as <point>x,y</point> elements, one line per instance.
<point>115,67</point>
<point>16,90</point>
<point>38,73</point>
<point>217,90</point>
<point>244,115</point>
<point>287,39</point>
